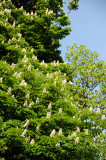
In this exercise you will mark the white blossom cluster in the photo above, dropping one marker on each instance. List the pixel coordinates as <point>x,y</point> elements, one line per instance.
<point>60,132</point>
<point>77,140</point>
<point>103,117</point>
<point>23,83</point>
<point>48,115</point>
<point>58,144</point>
<point>25,59</point>
<point>49,12</point>
<point>27,96</point>
<point>44,91</point>
<point>37,100</point>
<point>23,134</point>
<point>17,75</point>
<point>50,106</point>
<point>1,79</point>
<point>30,105</point>
<point>53,133</point>
<point>26,124</point>
<point>7,10</point>
<point>9,90</point>
<point>60,110</point>
<point>34,57</point>
<point>55,64</point>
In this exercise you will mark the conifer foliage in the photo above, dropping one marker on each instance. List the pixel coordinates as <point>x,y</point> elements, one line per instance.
<point>40,117</point>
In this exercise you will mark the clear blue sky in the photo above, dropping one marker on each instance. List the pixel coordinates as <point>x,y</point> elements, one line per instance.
<point>88,25</point>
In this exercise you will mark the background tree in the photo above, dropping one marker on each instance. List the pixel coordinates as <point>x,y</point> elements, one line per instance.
<point>89,77</point>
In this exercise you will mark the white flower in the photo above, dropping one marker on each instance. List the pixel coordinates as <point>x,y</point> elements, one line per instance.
<point>57,63</point>
<point>26,124</point>
<point>98,110</point>
<point>13,24</point>
<point>60,110</point>
<point>20,35</point>
<point>60,132</point>
<point>48,115</point>
<point>77,140</point>
<point>47,11</point>
<point>29,68</point>
<point>27,14</point>
<point>50,12</point>
<point>45,65</point>
<point>64,74</point>
<point>70,137</point>
<point>47,75</point>
<point>32,142</point>
<point>42,63</point>
<point>9,90</point>
<point>37,100</point>
<point>30,105</point>
<point>31,18</point>
<point>73,134</point>
<point>21,8</point>
<point>70,82</point>
<point>34,57</point>
<point>37,128</point>
<point>9,41</point>
<point>27,96</point>
<point>27,139</point>
<point>103,117</point>
<point>64,81</point>
<point>13,39</point>
<point>54,83</point>
<point>31,13</point>
<point>23,50</point>
<point>18,75</point>
<point>78,129</point>
<point>3,42</point>
<point>86,131</point>
<point>23,134</point>
<point>25,59</point>
<point>49,106</point>
<point>44,90</point>
<point>95,138</point>
<point>23,83</point>
<point>53,133</point>
<point>57,144</point>
<point>91,108</point>
<point>25,103</point>
<point>15,74</point>
<point>36,14</point>
<point>1,79</point>
<point>32,50</point>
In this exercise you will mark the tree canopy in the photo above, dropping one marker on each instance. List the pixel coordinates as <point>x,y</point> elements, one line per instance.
<point>48,111</point>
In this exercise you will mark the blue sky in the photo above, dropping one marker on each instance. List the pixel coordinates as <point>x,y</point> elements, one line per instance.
<point>88,25</point>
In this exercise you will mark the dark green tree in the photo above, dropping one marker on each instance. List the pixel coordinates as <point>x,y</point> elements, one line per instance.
<point>43,27</point>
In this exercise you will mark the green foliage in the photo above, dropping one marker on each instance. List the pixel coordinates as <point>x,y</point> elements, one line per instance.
<point>41,24</point>
<point>42,108</point>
